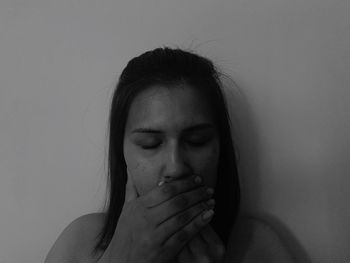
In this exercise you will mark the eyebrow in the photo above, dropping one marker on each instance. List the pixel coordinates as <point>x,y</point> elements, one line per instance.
<point>193,128</point>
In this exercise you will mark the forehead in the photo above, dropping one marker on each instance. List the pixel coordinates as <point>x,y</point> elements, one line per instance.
<point>169,107</point>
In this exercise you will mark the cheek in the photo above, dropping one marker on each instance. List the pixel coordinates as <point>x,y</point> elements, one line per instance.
<point>207,165</point>
<point>142,172</point>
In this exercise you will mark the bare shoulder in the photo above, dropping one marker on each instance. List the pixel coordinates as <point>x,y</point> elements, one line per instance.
<point>77,240</point>
<point>255,240</point>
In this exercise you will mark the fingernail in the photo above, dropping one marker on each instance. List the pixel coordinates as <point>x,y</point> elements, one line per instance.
<point>208,214</point>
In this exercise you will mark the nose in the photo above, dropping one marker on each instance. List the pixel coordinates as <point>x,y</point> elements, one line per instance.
<point>176,165</point>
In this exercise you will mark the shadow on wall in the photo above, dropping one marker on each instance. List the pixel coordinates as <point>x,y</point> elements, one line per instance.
<point>247,143</point>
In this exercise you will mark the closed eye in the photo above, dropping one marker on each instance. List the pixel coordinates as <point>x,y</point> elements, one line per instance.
<point>147,142</point>
<point>150,146</point>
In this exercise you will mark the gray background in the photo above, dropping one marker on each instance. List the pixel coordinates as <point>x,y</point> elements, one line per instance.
<point>59,62</point>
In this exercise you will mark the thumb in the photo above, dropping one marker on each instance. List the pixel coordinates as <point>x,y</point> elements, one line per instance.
<point>130,189</point>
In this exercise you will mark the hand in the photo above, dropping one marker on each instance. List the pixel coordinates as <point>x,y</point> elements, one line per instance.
<point>206,246</point>
<point>156,226</point>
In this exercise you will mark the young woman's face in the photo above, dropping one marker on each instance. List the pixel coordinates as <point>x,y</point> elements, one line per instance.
<point>169,135</point>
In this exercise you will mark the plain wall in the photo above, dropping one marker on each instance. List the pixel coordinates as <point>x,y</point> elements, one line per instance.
<point>59,62</point>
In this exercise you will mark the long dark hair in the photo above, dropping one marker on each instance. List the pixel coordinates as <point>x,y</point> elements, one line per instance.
<point>170,66</point>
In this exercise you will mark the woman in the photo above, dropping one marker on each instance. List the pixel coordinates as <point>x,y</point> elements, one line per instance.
<point>171,165</point>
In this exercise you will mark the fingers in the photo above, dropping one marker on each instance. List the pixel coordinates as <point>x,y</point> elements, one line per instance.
<point>210,236</point>
<point>199,249</point>
<point>185,255</point>
<point>130,189</point>
<point>206,246</point>
<point>214,243</point>
<point>181,230</point>
<point>167,191</point>
<point>182,202</point>
<point>183,219</point>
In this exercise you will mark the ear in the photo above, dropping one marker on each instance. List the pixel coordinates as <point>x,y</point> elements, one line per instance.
<point>130,190</point>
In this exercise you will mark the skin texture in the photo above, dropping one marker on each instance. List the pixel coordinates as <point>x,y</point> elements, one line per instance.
<point>170,135</point>
<point>169,112</point>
